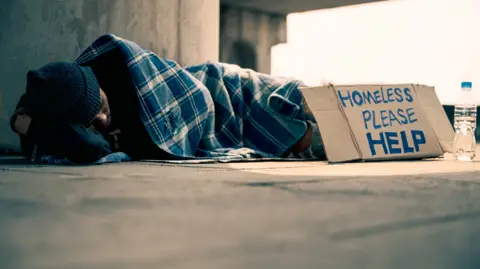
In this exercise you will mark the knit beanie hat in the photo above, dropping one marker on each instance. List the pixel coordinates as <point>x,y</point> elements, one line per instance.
<point>63,92</point>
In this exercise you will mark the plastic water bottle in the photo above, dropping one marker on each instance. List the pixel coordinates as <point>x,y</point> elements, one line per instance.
<point>465,124</point>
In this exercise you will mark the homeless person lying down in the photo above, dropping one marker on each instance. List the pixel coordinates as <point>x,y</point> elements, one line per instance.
<point>118,102</point>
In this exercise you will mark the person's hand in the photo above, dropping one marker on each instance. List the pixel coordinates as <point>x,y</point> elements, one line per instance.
<point>115,138</point>
<point>21,121</point>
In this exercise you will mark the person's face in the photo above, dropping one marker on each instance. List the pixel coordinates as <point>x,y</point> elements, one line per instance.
<point>103,118</point>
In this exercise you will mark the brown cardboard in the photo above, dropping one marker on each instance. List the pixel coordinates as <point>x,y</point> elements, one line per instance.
<point>436,116</point>
<point>380,122</point>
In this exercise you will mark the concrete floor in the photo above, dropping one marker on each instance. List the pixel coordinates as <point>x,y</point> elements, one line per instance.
<point>422,214</point>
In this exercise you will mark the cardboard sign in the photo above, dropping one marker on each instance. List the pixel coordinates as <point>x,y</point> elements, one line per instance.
<point>380,122</point>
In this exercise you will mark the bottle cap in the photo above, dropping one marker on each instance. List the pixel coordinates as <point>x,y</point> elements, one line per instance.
<point>466,84</point>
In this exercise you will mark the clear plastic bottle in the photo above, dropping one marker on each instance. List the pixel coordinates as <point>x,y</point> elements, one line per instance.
<point>465,122</point>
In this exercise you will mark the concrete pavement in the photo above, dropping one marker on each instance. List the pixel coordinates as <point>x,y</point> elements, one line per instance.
<point>422,214</point>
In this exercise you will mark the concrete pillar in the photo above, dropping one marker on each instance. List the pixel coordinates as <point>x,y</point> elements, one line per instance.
<point>33,33</point>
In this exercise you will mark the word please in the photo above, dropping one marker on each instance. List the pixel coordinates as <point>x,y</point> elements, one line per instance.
<point>389,142</point>
<point>380,96</point>
<point>388,117</point>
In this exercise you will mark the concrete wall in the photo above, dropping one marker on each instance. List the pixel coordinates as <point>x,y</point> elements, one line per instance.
<point>34,32</point>
<point>246,37</point>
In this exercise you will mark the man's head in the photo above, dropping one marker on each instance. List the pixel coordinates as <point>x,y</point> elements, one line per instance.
<point>63,92</point>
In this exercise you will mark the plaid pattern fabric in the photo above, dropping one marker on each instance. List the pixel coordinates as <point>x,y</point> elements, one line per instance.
<point>211,110</point>
<point>110,158</point>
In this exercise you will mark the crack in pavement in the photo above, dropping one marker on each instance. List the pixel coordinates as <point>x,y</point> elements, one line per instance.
<point>402,225</point>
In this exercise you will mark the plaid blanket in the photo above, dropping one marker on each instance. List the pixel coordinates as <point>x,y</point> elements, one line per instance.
<point>212,110</point>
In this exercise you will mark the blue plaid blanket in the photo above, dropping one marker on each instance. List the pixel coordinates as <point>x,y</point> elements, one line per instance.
<point>212,110</point>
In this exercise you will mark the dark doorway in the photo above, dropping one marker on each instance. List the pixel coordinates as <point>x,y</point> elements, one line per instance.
<point>243,53</point>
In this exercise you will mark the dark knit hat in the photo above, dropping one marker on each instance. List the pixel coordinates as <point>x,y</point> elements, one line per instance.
<point>63,91</point>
